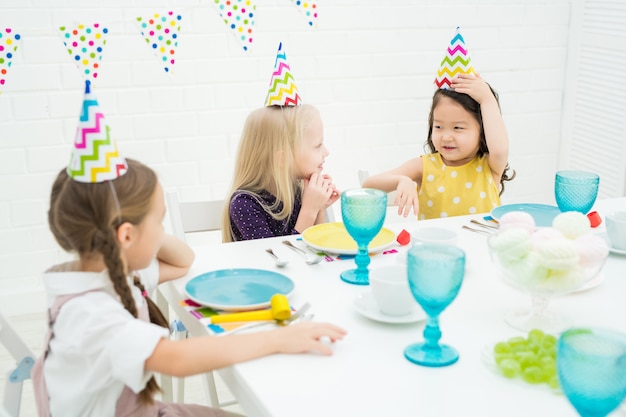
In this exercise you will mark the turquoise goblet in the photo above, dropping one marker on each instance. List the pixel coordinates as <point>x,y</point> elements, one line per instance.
<point>576,190</point>
<point>591,365</point>
<point>363,212</point>
<point>435,275</point>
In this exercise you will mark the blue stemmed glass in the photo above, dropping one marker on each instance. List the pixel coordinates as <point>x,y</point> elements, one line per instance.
<point>363,211</point>
<point>591,365</point>
<point>576,190</point>
<point>435,275</point>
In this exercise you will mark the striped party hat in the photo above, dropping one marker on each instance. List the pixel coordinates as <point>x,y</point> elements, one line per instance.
<point>95,157</point>
<point>283,90</point>
<point>457,61</point>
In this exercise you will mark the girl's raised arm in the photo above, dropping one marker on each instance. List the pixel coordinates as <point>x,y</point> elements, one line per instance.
<point>493,124</point>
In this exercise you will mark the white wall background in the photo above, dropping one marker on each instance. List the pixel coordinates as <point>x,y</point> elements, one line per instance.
<point>368,67</point>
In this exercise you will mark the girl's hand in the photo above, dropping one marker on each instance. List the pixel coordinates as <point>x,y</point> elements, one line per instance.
<point>406,197</point>
<point>318,190</point>
<point>473,86</point>
<point>334,196</point>
<point>306,337</point>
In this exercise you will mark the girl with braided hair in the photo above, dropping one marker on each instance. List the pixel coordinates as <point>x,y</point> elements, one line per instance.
<point>103,350</point>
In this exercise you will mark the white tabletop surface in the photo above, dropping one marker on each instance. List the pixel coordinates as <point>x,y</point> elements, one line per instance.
<point>368,375</point>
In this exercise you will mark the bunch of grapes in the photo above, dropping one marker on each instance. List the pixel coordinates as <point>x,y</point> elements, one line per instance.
<point>532,358</point>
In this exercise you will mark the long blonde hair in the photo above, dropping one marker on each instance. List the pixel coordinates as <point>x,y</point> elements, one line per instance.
<point>265,159</point>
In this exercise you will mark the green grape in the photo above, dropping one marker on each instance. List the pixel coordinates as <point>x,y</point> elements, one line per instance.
<point>526,359</point>
<point>509,368</point>
<point>533,375</point>
<point>502,347</point>
<point>533,358</point>
<point>536,335</point>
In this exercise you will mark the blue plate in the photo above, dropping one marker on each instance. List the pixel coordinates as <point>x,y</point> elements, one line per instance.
<point>238,289</point>
<point>543,214</point>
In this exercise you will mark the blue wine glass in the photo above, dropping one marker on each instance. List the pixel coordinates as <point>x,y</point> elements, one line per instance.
<point>576,190</point>
<point>363,211</point>
<point>435,274</point>
<point>591,365</point>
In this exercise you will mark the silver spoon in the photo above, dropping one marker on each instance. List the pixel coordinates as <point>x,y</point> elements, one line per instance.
<point>310,258</point>
<point>279,262</point>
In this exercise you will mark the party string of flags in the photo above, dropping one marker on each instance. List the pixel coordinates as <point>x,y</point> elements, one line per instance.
<point>159,30</point>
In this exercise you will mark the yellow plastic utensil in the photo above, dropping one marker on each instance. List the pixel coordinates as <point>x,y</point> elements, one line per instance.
<point>279,310</point>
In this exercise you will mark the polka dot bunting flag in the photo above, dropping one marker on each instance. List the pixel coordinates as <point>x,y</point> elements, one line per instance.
<point>85,44</point>
<point>239,15</point>
<point>161,33</point>
<point>308,9</point>
<point>457,61</point>
<point>8,46</point>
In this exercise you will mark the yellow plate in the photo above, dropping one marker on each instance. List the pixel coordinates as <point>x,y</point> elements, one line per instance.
<point>334,238</point>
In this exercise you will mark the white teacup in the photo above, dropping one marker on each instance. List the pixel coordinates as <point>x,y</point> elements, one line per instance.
<point>390,288</point>
<point>434,235</point>
<point>616,229</point>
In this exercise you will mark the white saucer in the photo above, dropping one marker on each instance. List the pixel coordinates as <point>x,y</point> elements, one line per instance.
<point>617,251</point>
<point>365,304</point>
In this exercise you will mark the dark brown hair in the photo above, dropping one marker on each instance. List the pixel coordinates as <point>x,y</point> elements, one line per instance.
<point>472,107</point>
<point>84,218</point>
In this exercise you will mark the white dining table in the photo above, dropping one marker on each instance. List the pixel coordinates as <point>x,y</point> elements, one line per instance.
<point>367,375</point>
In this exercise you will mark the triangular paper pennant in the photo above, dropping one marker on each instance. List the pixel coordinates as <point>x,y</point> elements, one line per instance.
<point>457,61</point>
<point>308,9</point>
<point>161,33</point>
<point>8,46</point>
<point>85,44</point>
<point>95,157</point>
<point>239,15</point>
<point>282,90</point>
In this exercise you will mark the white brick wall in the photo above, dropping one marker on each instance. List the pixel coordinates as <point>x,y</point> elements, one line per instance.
<point>369,67</point>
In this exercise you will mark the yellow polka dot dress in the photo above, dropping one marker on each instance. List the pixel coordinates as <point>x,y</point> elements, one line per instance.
<point>456,191</point>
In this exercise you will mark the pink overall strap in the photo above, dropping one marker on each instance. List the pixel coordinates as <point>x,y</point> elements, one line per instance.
<point>42,400</point>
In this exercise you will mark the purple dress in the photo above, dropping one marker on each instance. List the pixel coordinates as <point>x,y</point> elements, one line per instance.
<point>250,220</point>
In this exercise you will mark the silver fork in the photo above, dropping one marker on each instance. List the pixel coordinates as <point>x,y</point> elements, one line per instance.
<point>298,315</point>
<point>310,258</point>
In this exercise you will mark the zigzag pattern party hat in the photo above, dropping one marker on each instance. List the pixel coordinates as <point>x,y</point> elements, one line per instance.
<point>8,46</point>
<point>161,33</point>
<point>457,61</point>
<point>282,90</point>
<point>95,157</point>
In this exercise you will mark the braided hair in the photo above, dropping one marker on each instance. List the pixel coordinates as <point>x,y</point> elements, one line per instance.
<point>84,218</point>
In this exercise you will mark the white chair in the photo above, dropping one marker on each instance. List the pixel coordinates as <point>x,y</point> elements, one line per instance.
<point>190,217</point>
<point>15,377</point>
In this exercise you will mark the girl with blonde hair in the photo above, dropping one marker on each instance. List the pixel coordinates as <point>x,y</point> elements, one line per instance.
<point>278,187</point>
